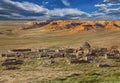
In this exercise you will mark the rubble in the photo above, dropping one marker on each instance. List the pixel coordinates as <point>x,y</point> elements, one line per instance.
<point>85,54</point>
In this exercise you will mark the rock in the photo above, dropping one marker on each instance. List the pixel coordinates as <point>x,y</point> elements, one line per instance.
<point>103,65</point>
<point>86,45</point>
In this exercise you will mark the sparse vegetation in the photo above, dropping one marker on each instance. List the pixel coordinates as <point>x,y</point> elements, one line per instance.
<point>58,70</point>
<point>89,78</point>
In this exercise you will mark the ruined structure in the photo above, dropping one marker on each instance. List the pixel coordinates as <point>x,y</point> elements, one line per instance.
<point>84,54</point>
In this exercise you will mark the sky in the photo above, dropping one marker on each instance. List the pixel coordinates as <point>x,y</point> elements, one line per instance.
<point>60,9</point>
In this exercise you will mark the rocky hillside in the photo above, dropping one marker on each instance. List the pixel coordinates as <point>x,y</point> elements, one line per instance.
<point>72,26</point>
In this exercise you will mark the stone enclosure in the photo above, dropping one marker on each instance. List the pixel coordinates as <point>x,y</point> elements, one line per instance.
<point>85,54</point>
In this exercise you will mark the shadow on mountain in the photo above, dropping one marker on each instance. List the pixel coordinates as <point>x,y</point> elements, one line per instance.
<point>38,25</point>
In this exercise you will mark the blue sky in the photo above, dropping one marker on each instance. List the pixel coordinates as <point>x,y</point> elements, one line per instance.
<point>60,9</point>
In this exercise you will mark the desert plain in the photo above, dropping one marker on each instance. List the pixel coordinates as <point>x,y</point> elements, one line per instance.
<point>57,34</point>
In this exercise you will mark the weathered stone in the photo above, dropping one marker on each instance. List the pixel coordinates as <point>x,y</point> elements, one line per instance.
<point>103,65</point>
<point>11,63</point>
<point>20,50</point>
<point>69,50</point>
<point>86,45</point>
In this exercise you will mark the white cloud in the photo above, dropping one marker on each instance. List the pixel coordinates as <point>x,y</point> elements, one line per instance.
<point>107,5</point>
<point>107,13</point>
<point>71,13</point>
<point>1,8</point>
<point>8,16</point>
<point>111,1</point>
<point>28,6</point>
<point>112,4</point>
<point>108,10</point>
<point>16,14</point>
<point>35,11</point>
<point>44,3</point>
<point>67,11</point>
<point>13,16</point>
<point>100,5</point>
<point>113,11</point>
<point>65,2</point>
